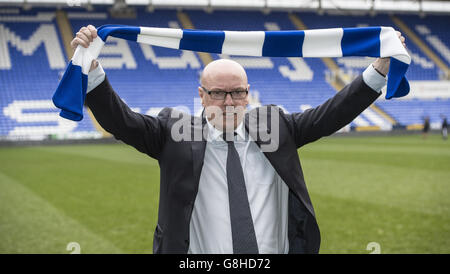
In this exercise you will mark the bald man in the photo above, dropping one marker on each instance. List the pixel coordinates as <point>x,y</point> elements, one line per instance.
<point>224,193</point>
<point>218,76</point>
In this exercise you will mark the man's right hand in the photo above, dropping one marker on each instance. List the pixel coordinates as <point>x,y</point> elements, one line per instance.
<point>84,37</point>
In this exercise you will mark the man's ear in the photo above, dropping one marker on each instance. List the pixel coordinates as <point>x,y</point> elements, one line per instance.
<point>201,93</point>
<point>248,94</point>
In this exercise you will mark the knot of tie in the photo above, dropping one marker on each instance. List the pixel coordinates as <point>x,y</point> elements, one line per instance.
<point>229,136</point>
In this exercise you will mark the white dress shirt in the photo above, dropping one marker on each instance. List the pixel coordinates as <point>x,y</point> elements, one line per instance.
<point>210,226</point>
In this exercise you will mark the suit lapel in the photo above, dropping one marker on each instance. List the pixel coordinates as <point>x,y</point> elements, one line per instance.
<point>285,159</point>
<point>198,145</point>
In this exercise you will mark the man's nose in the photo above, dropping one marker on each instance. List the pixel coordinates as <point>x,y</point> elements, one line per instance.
<point>228,100</point>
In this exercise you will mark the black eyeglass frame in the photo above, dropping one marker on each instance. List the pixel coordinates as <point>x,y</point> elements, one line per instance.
<point>225,93</point>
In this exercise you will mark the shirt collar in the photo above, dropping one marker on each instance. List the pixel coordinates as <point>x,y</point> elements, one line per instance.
<point>215,135</point>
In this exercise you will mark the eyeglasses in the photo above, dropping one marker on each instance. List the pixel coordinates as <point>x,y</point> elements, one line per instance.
<point>221,94</point>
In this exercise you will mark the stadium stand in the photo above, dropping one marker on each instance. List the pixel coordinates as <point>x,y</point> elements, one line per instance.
<point>149,78</point>
<point>433,30</point>
<point>421,68</point>
<point>32,60</point>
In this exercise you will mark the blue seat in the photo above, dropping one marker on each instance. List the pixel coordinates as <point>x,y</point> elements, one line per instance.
<point>150,78</point>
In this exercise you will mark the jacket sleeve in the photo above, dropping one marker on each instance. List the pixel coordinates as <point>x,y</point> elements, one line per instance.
<point>145,133</point>
<point>332,115</point>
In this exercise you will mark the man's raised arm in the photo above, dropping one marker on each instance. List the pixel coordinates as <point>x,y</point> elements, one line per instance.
<point>143,132</point>
<point>342,108</point>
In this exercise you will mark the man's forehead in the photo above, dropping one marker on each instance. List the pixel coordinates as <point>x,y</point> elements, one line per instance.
<point>224,84</point>
<point>224,72</point>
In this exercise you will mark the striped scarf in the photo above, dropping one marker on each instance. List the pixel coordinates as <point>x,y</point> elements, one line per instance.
<point>335,42</point>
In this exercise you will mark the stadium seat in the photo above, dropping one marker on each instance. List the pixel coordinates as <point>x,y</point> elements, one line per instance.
<point>149,78</point>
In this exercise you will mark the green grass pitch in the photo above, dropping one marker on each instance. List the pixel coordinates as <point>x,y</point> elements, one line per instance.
<point>394,191</point>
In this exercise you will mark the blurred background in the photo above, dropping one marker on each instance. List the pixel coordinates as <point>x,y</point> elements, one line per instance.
<point>383,178</point>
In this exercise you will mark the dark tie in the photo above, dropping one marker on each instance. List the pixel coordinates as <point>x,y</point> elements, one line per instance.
<point>242,229</point>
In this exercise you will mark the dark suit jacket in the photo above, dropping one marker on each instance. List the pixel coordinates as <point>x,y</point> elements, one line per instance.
<point>181,161</point>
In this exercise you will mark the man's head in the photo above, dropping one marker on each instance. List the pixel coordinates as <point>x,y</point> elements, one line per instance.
<point>222,110</point>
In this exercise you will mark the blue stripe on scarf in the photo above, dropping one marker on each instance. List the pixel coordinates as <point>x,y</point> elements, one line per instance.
<point>286,44</point>
<point>204,41</point>
<point>361,42</point>
<point>120,31</point>
<point>71,92</point>
<point>397,86</point>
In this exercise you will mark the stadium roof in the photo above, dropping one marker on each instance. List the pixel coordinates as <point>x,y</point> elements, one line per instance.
<point>408,6</point>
